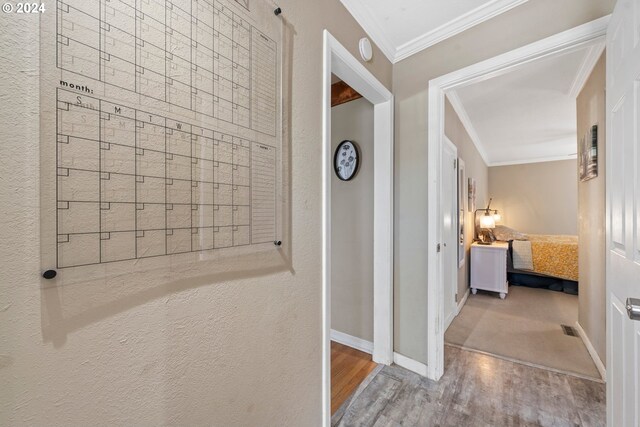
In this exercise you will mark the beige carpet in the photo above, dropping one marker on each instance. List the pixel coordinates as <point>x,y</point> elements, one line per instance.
<point>526,327</point>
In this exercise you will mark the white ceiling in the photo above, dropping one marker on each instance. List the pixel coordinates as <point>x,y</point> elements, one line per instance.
<point>529,114</point>
<point>404,27</point>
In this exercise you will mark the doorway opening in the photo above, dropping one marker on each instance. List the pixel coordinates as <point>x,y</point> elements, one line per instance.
<point>340,63</point>
<point>351,242</point>
<point>586,36</point>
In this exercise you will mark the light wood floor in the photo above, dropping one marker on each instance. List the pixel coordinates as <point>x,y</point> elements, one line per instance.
<point>349,367</point>
<point>476,390</point>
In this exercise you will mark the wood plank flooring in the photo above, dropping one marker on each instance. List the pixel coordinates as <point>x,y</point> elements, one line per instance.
<point>349,367</point>
<point>475,390</point>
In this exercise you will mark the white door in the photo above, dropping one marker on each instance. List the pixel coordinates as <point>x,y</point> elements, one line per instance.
<point>449,212</point>
<point>623,214</point>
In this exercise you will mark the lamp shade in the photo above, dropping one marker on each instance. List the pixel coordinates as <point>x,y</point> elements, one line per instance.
<point>487,221</point>
<point>497,217</point>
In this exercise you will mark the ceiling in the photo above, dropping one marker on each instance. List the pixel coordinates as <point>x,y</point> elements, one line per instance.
<point>404,27</point>
<point>529,114</point>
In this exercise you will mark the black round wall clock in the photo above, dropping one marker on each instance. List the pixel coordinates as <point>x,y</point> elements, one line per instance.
<point>346,160</point>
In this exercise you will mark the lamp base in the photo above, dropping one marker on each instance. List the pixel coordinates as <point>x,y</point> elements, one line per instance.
<point>485,237</point>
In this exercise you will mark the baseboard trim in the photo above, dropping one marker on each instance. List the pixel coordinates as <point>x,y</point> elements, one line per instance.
<point>449,319</point>
<point>351,341</point>
<point>463,301</point>
<point>410,364</point>
<point>592,352</point>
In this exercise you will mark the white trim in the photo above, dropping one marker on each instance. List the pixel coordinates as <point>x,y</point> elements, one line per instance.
<point>338,60</point>
<point>458,107</point>
<point>449,319</point>
<point>462,23</point>
<point>326,237</point>
<point>592,352</point>
<point>535,160</point>
<point>453,240</point>
<point>351,341</point>
<point>571,40</point>
<point>383,232</point>
<point>435,290</point>
<point>463,301</point>
<point>369,24</point>
<point>410,364</point>
<point>589,34</point>
<point>588,63</point>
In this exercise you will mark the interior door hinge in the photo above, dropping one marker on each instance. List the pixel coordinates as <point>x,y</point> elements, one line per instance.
<point>438,247</point>
<point>456,297</point>
<point>455,163</point>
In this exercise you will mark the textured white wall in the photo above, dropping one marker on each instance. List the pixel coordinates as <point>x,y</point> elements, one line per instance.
<point>352,225</point>
<point>227,351</point>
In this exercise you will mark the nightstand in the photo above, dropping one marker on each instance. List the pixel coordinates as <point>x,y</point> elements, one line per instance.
<point>489,268</point>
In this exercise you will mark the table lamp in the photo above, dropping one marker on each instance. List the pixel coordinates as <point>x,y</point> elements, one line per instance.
<point>487,222</point>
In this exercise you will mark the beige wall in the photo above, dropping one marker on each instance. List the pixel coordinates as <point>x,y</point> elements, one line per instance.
<point>532,21</point>
<point>224,351</point>
<point>352,225</point>
<point>537,198</point>
<point>475,168</point>
<point>591,105</point>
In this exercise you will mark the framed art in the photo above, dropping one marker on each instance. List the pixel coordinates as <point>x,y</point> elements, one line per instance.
<point>462,198</point>
<point>588,154</point>
<point>346,160</point>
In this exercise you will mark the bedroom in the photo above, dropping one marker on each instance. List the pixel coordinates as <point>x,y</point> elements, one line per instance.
<point>529,150</point>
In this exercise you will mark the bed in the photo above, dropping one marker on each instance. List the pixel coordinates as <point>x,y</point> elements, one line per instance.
<point>554,261</point>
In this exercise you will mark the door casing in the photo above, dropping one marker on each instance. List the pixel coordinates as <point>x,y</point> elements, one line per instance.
<point>339,61</point>
<point>590,34</point>
<point>450,237</point>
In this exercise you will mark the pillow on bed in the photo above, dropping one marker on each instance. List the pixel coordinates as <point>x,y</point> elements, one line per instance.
<point>522,257</point>
<point>505,234</point>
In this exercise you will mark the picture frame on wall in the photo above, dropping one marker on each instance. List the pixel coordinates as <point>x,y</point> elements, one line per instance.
<point>588,154</point>
<point>472,195</point>
<point>462,200</point>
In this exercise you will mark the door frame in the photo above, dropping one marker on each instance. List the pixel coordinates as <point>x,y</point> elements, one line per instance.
<point>455,264</point>
<point>339,61</point>
<point>589,34</point>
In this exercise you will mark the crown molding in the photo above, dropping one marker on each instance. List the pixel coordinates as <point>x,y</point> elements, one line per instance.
<point>456,26</point>
<point>534,160</point>
<point>364,17</point>
<point>458,107</point>
<point>588,63</point>
<point>370,25</point>
<point>456,103</point>
<point>589,34</point>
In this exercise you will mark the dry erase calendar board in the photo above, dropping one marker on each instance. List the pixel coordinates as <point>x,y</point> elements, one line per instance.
<point>161,136</point>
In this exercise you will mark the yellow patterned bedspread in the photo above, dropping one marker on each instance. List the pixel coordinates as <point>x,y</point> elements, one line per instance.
<point>555,255</point>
